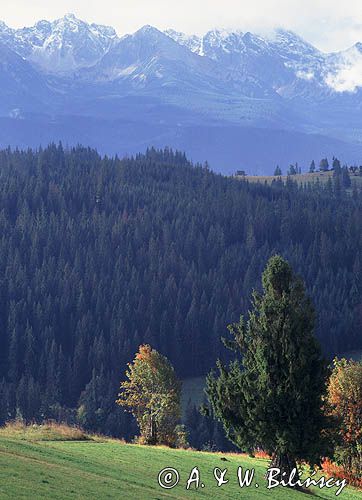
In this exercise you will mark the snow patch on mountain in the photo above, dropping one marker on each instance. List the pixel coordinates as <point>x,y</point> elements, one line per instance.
<point>291,46</point>
<point>305,75</point>
<point>192,42</point>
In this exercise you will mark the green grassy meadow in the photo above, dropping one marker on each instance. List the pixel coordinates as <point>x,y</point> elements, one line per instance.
<point>45,465</point>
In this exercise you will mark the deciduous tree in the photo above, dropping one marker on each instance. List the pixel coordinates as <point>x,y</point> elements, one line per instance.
<point>345,402</point>
<point>152,395</point>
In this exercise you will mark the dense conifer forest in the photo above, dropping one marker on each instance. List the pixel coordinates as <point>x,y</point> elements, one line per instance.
<point>99,255</point>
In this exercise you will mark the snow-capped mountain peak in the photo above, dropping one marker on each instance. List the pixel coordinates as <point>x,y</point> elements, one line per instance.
<point>292,46</point>
<point>168,81</point>
<point>281,62</point>
<point>192,42</point>
<point>63,45</point>
<point>70,16</point>
<point>147,28</point>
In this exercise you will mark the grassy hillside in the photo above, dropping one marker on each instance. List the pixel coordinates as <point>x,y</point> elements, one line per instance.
<point>47,464</point>
<point>306,178</point>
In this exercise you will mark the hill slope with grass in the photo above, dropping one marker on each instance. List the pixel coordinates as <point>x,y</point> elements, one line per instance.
<point>62,463</point>
<point>305,178</point>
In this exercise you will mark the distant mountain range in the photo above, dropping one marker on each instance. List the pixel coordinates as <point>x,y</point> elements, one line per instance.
<point>237,99</point>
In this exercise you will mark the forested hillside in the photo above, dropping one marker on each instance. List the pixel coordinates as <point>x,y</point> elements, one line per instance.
<point>99,255</point>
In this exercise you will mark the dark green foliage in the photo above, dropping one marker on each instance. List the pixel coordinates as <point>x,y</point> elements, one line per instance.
<point>312,167</point>
<point>324,165</point>
<point>272,396</point>
<point>337,169</point>
<point>346,180</point>
<point>204,432</point>
<point>341,176</point>
<point>278,171</point>
<point>99,255</point>
<point>292,170</point>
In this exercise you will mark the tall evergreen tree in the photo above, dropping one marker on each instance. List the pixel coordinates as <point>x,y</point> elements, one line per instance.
<point>324,165</point>
<point>336,165</point>
<point>346,179</point>
<point>293,170</point>
<point>271,397</point>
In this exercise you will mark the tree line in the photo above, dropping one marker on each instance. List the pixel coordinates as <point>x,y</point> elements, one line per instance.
<point>341,174</point>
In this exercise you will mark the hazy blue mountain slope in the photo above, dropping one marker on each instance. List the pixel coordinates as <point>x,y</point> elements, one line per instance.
<point>22,88</point>
<point>227,148</point>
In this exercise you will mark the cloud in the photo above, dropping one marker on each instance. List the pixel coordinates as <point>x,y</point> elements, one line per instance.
<point>347,77</point>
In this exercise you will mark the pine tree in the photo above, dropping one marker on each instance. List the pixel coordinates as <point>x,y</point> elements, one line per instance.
<point>278,171</point>
<point>272,397</point>
<point>336,165</point>
<point>292,170</point>
<point>312,167</point>
<point>346,179</point>
<point>323,165</point>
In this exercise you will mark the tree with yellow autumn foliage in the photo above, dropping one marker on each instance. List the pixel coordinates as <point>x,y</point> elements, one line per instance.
<point>345,404</point>
<point>152,394</point>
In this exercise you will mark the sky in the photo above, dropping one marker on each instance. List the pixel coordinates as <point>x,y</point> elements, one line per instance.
<point>330,25</point>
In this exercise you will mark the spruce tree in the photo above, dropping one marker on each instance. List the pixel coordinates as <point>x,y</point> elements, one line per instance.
<point>337,169</point>
<point>324,165</point>
<point>292,170</point>
<point>271,396</point>
<point>346,180</point>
